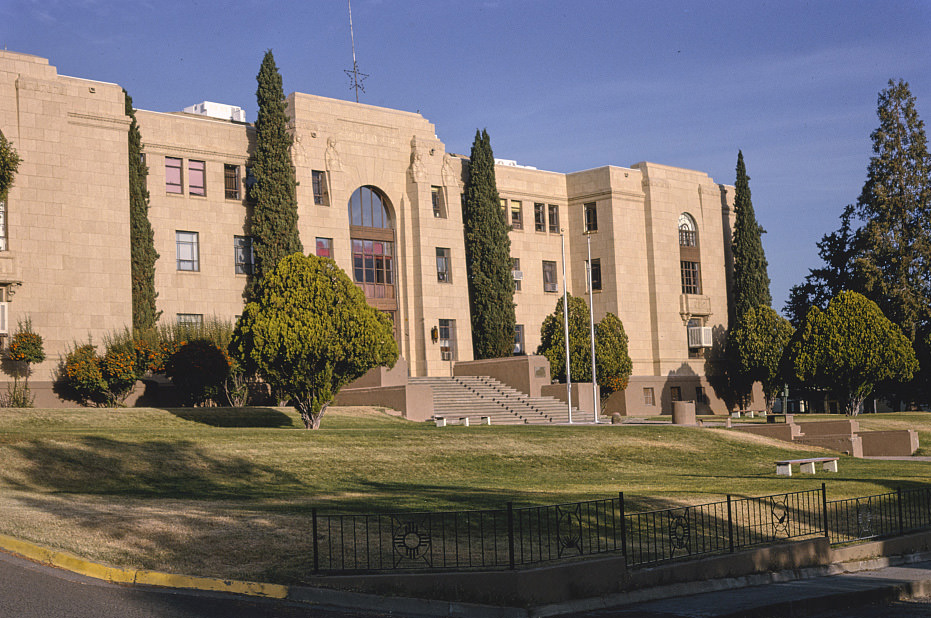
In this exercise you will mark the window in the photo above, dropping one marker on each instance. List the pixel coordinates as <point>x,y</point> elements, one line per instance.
<point>3,245</point>
<point>173,175</point>
<point>696,352</point>
<point>518,339</point>
<point>503,203</point>
<point>688,231</point>
<point>539,218</point>
<point>549,277</point>
<point>372,267</point>
<point>320,193</point>
<point>196,180</point>
<point>242,255</point>
<point>691,277</point>
<point>675,393</point>
<point>443,266</point>
<point>516,273</point>
<point>591,217</point>
<point>324,247</point>
<point>188,254</point>
<point>648,398</point>
<point>439,207</point>
<point>596,274</point>
<point>194,320</point>
<point>517,215</point>
<point>448,340</point>
<point>700,395</point>
<point>368,209</point>
<point>554,219</point>
<point>231,181</point>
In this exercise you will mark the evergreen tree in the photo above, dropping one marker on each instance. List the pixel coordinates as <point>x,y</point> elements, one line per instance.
<point>488,257</point>
<point>141,236</point>
<point>894,257</point>
<point>751,281</point>
<point>274,214</point>
<point>9,164</point>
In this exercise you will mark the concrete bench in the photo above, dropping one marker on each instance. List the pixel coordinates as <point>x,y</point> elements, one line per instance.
<point>779,418</point>
<point>806,466</point>
<point>440,421</point>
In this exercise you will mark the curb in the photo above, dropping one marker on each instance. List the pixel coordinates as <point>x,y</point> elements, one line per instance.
<point>70,562</point>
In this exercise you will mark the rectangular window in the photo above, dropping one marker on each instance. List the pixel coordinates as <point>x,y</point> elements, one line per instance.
<point>196,178</point>
<point>549,277</point>
<point>591,217</point>
<point>539,217</point>
<point>675,393</point>
<point>700,395</point>
<point>231,181</point>
<point>191,320</point>
<point>439,206</point>
<point>517,215</point>
<point>516,273</point>
<point>518,339</point>
<point>648,399</point>
<point>3,245</point>
<point>448,340</point>
<point>320,192</point>
<point>691,278</point>
<point>443,266</point>
<point>324,247</point>
<point>188,252</point>
<point>596,274</point>
<point>242,255</point>
<point>554,219</point>
<point>173,175</point>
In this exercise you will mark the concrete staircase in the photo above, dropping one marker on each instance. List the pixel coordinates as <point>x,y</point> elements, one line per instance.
<point>478,396</point>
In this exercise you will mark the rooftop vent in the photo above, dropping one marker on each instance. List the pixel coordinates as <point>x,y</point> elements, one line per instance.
<point>217,110</point>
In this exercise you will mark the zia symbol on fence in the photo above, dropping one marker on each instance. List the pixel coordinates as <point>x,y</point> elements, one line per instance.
<point>865,518</point>
<point>680,533</point>
<point>411,541</point>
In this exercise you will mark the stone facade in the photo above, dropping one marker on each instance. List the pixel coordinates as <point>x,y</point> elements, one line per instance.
<point>67,232</point>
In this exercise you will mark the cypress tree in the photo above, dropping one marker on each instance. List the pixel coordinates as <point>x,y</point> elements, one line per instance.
<point>142,238</point>
<point>751,281</point>
<point>488,257</point>
<point>894,256</point>
<point>274,213</point>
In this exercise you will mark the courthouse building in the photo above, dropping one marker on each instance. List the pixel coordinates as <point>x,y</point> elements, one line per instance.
<point>379,193</point>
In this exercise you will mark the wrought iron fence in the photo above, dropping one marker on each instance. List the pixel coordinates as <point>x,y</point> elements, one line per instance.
<point>515,537</point>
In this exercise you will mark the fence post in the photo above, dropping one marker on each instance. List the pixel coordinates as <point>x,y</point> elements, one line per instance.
<point>313,515</point>
<point>623,526</point>
<point>730,526</point>
<point>824,510</point>
<point>898,500</point>
<point>511,535</point>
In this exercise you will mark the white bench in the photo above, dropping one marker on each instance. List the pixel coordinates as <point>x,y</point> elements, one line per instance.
<point>463,420</point>
<point>806,466</point>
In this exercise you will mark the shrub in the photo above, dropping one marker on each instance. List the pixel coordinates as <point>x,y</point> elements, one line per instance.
<point>26,348</point>
<point>118,368</point>
<point>199,369</point>
<point>83,377</point>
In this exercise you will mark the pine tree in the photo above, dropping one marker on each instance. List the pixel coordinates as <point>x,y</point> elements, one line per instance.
<point>274,214</point>
<point>751,281</point>
<point>894,256</point>
<point>488,257</point>
<point>142,238</point>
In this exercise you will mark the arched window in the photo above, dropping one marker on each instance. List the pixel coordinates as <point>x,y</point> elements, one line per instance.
<point>688,231</point>
<point>368,208</point>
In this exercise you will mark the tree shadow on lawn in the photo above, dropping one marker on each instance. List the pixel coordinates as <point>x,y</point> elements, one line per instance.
<point>159,469</point>
<point>235,417</point>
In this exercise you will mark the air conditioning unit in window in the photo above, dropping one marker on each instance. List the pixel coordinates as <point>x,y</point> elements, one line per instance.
<point>517,274</point>
<point>700,337</point>
<point>4,318</point>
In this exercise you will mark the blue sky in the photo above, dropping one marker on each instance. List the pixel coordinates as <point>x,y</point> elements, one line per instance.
<point>562,86</point>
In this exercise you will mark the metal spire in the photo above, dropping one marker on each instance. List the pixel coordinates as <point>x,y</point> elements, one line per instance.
<point>355,77</point>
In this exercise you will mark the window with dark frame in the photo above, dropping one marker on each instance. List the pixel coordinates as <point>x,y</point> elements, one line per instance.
<point>188,254</point>
<point>539,217</point>
<point>596,274</point>
<point>197,178</point>
<point>518,339</point>
<point>324,247</point>
<point>675,393</point>
<point>694,353</point>
<point>517,215</point>
<point>691,277</point>
<point>554,218</point>
<point>242,255</point>
<point>231,181</point>
<point>443,266</point>
<point>700,395</point>
<point>173,180</point>
<point>320,191</point>
<point>195,320</point>
<point>515,268</point>
<point>439,207</point>
<point>549,277</point>
<point>447,340</point>
<point>591,217</point>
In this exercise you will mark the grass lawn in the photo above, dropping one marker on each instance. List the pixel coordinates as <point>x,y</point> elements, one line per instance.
<point>227,493</point>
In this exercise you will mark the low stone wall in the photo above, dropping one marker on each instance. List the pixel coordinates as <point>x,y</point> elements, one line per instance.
<point>582,395</point>
<point>414,401</point>
<point>900,443</point>
<point>527,374</point>
<point>849,445</point>
<point>844,427</point>
<point>784,431</point>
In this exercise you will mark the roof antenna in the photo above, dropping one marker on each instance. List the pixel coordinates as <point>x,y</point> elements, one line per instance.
<point>354,75</point>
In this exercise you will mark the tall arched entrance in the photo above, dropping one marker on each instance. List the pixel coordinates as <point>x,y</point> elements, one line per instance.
<point>371,230</point>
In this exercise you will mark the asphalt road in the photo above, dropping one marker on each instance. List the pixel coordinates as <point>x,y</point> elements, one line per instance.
<point>29,590</point>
